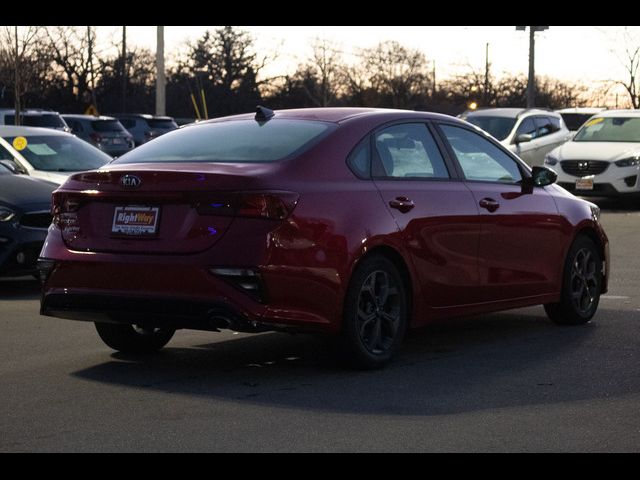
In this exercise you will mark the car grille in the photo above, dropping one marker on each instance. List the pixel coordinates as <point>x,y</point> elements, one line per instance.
<point>36,220</point>
<point>583,168</point>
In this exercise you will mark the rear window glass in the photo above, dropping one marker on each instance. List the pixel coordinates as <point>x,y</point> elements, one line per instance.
<point>107,126</point>
<point>50,121</point>
<point>164,124</point>
<point>232,141</point>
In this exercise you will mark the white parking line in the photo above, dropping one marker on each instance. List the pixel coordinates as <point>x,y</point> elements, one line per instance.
<point>614,297</point>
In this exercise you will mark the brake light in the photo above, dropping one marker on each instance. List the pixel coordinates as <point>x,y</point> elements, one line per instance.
<point>267,205</point>
<point>64,208</point>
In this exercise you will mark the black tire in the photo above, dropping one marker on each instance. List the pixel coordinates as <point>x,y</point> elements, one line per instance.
<point>581,285</point>
<point>375,314</point>
<point>132,338</point>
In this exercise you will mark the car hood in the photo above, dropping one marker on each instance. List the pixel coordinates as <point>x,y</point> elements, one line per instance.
<point>610,151</point>
<point>23,191</point>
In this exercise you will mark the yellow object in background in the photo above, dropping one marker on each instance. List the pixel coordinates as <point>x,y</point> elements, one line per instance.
<point>19,143</point>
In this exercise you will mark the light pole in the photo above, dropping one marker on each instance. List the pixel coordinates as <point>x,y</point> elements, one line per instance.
<point>160,74</point>
<point>531,83</point>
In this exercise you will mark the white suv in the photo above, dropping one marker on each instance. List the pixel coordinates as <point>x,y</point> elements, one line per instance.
<point>603,158</point>
<point>529,133</point>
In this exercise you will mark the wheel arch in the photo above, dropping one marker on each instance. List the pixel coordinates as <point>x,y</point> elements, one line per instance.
<point>603,250</point>
<point>400,263</point>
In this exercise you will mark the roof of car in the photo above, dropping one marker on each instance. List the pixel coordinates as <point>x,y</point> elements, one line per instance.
<point>585,110</point>
<point>14,131</point>
<point>335,114</point>
<point>142,115</point>
<point>86,117</point>
<point>507,112</point>
<point>27,111</point>
<point>619,113</point>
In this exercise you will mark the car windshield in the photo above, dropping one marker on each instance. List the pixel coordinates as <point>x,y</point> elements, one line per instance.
<point>498,127</point>
<point>610,129</point>
<point>231,141</point>
<point>61,153</point>
<point>46,120</point>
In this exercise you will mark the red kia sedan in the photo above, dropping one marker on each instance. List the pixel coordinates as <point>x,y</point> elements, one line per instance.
<point>353,222</point>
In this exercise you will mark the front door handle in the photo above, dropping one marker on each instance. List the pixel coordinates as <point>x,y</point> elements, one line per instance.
<point>403,204</point>
<point>490,204</point>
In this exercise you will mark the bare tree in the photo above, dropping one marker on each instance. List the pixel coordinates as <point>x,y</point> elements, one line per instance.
<point>72,51</point>
<point>630,60</point>
<point>19,56</point>
<point>398,73</point>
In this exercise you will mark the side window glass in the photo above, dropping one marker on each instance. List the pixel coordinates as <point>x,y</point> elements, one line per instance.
<point>480,159</point>
<point>527,126</point>
<point>359,159</point>
<point>544,126</point>
<point>409,151</point>
<point>4,154</point>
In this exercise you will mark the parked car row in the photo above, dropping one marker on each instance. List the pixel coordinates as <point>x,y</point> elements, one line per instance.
<point>114,135</point>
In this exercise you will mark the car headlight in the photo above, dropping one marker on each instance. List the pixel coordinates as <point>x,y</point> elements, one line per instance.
<point>6,214</point>
<point>549,160</point>
<point>628,162</point>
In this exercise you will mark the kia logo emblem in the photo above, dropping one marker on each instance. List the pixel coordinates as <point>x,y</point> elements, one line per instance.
<point>130,181</point>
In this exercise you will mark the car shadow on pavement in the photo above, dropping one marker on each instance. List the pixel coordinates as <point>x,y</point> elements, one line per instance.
<point>19,288</point>
<point>494,361</point>
<point>608,204</point>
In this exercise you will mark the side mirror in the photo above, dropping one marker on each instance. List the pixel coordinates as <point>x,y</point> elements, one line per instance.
<point>543,176</point>
<point>523,138</point>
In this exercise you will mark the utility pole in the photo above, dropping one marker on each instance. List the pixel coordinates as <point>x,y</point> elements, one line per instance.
<point>93,84</point>
<point>160,74</point>
<point>486,76</point>
<point>123,109</point>
<point>17,83</point>
<point>531,83</point>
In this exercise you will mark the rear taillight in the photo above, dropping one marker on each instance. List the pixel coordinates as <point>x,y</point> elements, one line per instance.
<point>96,137</point>
<point>64,208</point>
<point>267,205</point>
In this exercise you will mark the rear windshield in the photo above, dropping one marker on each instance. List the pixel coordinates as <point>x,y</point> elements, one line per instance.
<point>232,141</point>
<point>575,120</point>
<point>163,124</point>
<point>498,127</point>
<point>49,121</point>
<point>107,126</point>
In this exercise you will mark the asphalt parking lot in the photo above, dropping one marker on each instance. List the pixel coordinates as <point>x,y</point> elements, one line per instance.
<point>511,381</point>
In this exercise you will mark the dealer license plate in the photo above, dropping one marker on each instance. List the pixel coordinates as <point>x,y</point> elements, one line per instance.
<point>135,220</point>
<point>584,183</point>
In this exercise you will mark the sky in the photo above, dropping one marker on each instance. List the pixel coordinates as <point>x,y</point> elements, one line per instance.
<point>573,53</point>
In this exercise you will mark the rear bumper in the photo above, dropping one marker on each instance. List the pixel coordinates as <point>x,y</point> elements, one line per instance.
<point>157,312</point>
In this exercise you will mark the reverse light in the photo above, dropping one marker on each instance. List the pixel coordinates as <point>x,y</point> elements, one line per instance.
<point>628,162</point>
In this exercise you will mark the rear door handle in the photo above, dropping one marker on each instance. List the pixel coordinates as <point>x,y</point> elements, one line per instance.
<point>403,204</point>
<point>490,204</point>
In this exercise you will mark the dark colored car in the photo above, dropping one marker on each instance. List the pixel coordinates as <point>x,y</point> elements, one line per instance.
<point>146,127</point>
<point>106,133</point>
<point>352,222</point>
<point>25,215</point>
